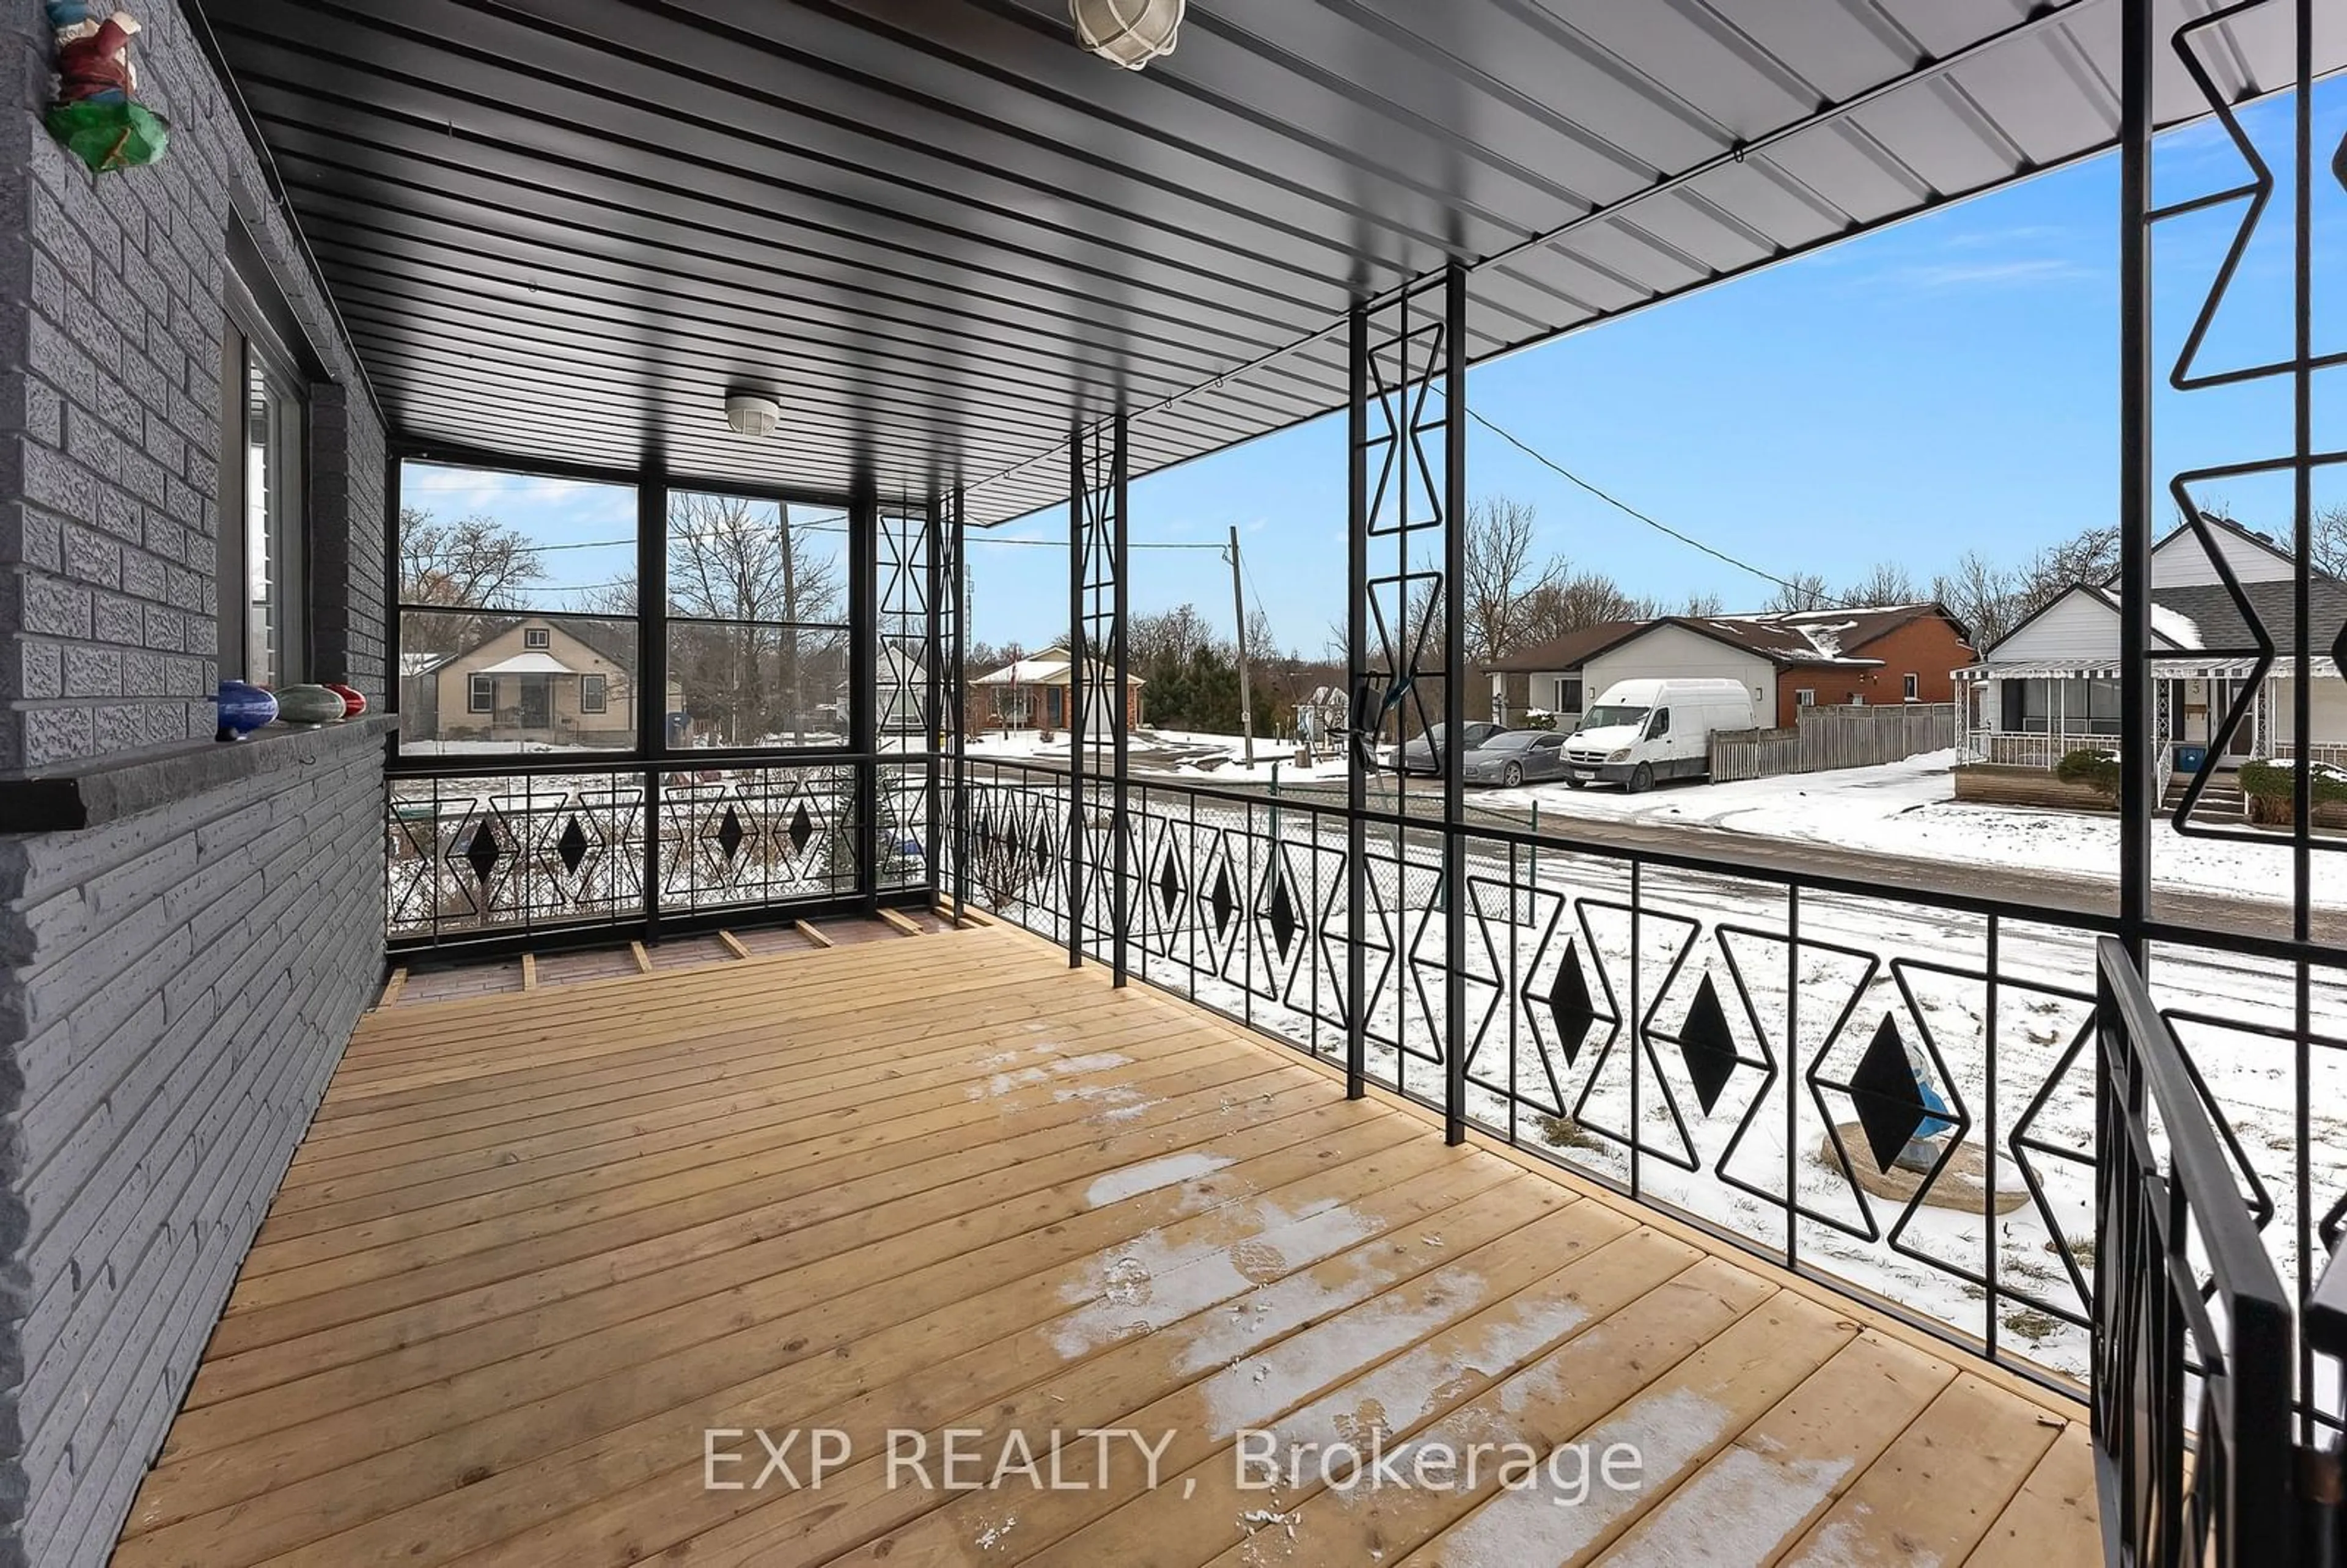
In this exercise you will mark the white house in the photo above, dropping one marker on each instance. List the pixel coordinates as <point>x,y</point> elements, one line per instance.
<point>2052,685</point>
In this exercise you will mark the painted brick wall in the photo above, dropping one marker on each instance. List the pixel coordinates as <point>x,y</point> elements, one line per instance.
<point>111,325</point>
<point>184,982</point>
<point>176,986</point>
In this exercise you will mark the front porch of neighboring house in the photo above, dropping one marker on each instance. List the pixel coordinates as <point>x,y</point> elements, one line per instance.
<point>2225,653</point>
<point>1032,694</point>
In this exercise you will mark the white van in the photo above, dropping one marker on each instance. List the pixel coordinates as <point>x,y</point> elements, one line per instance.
<point>1641,731</point>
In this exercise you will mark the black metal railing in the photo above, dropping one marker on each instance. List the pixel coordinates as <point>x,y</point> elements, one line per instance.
<point>1895,1092</point>
<point>579,847</point>
<point>2194,1334</point>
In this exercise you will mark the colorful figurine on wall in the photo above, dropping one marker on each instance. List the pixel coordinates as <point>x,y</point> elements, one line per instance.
<point>97,111</point>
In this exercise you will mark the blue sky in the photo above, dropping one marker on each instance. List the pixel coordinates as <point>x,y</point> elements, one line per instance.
<point>1942,385</point>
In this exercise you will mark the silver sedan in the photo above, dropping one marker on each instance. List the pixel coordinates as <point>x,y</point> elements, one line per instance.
<point>1517,756</point>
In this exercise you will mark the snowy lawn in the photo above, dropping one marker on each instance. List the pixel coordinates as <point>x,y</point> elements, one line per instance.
<point>1910,809</point>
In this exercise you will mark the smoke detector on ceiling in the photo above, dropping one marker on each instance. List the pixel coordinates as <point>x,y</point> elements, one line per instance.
<point>752,413</point>
<point>1128,32</point>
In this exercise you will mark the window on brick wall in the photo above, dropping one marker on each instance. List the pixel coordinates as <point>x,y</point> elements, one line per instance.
<point>264,497</point>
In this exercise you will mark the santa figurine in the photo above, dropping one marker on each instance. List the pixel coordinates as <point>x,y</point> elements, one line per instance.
<point>96,111</point>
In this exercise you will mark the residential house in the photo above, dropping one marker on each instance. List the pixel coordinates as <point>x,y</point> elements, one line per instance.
<point>1788,660</point>
<point>2051,685</point>
<point>1032,694</point>
<point>539,681</point>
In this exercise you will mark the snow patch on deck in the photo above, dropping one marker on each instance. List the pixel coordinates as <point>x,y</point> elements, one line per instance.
<point>1255,1390</point>
<point>1540,1522</point>
<point>1150,1175</point>
<point>1149,1284</point>
<point>1743,1509</point>
<point>1405,1391</point>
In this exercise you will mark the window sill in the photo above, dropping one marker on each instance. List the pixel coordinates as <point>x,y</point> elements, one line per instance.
<point>108,789</point>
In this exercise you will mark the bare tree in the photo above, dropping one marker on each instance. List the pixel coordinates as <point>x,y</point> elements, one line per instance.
<point>769,592</point>
<point>1803,591</point>
<point>1502,578</point>
<point>2331,540</point>
<point>1886,583</point>
<point>474,563</point>
<point>1983,595</point>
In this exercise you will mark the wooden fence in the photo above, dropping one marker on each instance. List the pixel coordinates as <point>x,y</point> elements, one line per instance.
<point>1828,738</point>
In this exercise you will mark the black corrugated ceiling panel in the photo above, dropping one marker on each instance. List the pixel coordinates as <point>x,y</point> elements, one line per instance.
<point>562,230</point>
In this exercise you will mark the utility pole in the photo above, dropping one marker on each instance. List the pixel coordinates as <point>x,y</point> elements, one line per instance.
<point>1247,687</point>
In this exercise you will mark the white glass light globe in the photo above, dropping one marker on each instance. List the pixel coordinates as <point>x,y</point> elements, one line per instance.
<point>1128,32</point>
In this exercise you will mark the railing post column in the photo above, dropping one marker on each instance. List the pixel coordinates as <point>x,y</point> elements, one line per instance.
<point>651,673</point>
<point>2136,804</point>
<point>1118,705</point>
<point>1454,701</point>
<point>1078,538</point>
<point>956,585</point>
<point>863,691</point>
<point>1357,678</point>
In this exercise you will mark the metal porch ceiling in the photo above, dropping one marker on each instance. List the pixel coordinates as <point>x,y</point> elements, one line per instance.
<point>939,232</point>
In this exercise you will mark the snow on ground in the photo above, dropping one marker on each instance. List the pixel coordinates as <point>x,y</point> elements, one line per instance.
<point>1910,809</point>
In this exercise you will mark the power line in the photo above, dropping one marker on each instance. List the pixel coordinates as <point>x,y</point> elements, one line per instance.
<point>1824,601</point>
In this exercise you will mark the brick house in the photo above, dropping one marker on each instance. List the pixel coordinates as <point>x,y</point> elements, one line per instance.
<point>1032,694</point>
<point>1788,660</point>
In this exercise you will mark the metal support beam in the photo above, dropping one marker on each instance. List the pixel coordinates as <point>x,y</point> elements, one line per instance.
<point>955,585</point>
<point>864,682</point>
<point>1454,701</point>
<point>1356,683</point>
<point>1119,707</point>
<point>1078,540</point>
<point>2135,483</point>
<point>651,672</point>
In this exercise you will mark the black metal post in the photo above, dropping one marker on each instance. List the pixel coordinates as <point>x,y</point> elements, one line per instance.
<point>393,470</point>
<point>863,684</point>
<point>1454,701</point>
<point>1078,498</point>
<point>958,585</point>
<point>2136,485</point>
<point>1117,706</point>
<point>935,686</point>
<point>1357,676</point>
<point>651,672</point>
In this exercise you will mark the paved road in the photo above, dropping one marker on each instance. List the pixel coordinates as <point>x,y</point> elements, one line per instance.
<point>2057,893</point>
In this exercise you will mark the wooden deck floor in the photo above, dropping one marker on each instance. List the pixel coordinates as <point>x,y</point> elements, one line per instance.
<point>535,1246</point>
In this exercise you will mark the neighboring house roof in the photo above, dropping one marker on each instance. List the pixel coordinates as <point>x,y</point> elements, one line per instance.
<point>1046,669</point>
<point>1570,651</point>
<point>531,663</point>
<point>1819,638</point>
<point>1802,639</point>
<point>2202,617</point>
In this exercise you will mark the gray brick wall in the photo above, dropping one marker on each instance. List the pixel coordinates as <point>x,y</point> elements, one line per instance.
<point>175,989</point>
<point>110,326</point>
<point>175,985</point>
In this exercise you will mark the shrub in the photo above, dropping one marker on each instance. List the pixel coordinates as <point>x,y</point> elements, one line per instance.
<point>2270,786</point>
<point>2090,766</point>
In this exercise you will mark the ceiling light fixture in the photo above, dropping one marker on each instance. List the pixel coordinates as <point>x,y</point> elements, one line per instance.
<point>1128,32</point>
<point>752,413</point>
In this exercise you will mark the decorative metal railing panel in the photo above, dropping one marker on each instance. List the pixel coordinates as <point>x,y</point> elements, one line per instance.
<point>1895,1092</point>
<point>517,854</point>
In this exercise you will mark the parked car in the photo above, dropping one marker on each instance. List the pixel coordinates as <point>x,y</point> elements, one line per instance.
<point>1420,756</point>
<point>1642,731</point>
<point>1517,756</point>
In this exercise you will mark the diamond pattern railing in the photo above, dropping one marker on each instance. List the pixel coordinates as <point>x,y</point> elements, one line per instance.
<point>474,856</point>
